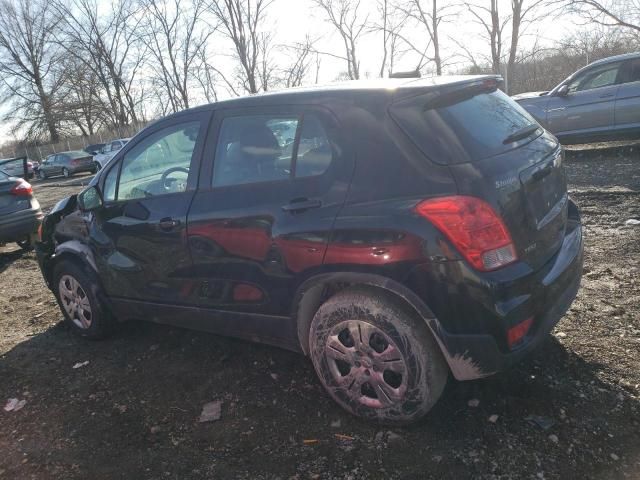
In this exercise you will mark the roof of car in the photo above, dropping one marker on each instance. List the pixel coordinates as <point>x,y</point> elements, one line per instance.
<point>339,89</point>
<point>616,58</point>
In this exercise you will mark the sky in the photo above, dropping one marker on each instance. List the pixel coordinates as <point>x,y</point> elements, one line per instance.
<point>292,20</point>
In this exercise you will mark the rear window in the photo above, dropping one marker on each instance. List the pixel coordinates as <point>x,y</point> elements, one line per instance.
<point>466,131</point>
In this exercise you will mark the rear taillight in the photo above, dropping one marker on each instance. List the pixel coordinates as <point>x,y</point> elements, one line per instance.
<point>22,189</point>
<point>473,227</point>
<point>75,162</point>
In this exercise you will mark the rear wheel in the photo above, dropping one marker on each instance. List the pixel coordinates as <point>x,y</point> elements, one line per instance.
<point>78,296</point>
<point>66,172</point>
<point>374,358</point>
<point>42,174</point>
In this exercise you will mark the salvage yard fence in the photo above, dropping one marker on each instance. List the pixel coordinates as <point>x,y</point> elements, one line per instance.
<point>39,152</point>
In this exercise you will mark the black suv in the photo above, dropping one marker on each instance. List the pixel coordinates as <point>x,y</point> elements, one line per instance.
<point>392,231</point>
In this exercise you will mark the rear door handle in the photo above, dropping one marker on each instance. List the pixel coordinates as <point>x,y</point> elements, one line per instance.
<point>301,204</point>
<point>168,224</point>
<point>608,95</point>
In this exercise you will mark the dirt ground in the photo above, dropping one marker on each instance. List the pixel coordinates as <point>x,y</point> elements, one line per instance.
<point>132,411</point>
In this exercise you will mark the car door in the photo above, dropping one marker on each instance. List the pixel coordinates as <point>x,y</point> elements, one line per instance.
<point>627,109</point>
<point>273,181</point>
<point>55,166</point>
<point>139,234</point>
<point>589,105</point>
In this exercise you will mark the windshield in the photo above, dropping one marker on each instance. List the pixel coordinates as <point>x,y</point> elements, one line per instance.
<point>465,131</point>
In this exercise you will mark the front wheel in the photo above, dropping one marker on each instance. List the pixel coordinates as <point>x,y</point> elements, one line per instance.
<point>78,296</point>
<point>374,358</point>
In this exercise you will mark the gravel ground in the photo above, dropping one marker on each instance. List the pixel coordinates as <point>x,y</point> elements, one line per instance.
<point>569,411</point>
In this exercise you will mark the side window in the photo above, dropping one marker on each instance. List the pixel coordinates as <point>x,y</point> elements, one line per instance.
<point>115,146</point>
<point>603,76</point>
<point>110,181</point>
<point>314,151</point>
<point>630,71</point>
<point>159,164</point>
<point>257,148</point>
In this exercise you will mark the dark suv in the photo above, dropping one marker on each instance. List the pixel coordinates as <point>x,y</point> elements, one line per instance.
<point>393,232</point>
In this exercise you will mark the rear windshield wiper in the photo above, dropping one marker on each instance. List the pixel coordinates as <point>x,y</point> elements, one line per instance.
<point>524,132</point>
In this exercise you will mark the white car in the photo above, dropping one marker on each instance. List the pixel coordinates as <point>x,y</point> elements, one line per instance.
<point>109,150</point>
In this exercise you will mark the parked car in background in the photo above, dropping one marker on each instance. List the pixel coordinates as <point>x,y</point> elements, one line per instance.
<point>599,101</point>
<point>66,164</point>
<point>20,213</point>
<point>109,150</point>
<point>414,228</point>
<point>16,167</point>
<point>94,149</point>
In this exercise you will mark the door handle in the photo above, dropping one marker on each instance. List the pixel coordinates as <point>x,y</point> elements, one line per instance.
<point>607,95</point>
<point>168,224</point>
<point>300,204</point>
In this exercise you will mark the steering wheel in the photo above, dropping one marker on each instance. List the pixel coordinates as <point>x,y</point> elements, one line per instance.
<point>169,171</point>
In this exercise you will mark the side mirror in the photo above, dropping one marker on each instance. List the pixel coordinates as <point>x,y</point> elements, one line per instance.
<point>89,199</point>
<point>563,91</point>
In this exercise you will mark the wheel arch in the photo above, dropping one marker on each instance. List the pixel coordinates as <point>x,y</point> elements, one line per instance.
<point>72,251</point>
<point>316,290</point>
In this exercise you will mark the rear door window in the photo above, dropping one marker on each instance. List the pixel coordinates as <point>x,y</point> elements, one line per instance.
<point>254,148</point>
<point>464,131</point>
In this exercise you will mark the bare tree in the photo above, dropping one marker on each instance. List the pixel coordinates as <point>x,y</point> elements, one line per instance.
<point>429,14</point>
<point>301,55</point>
<point>389,25</point>
<point>243,22</point>
<point>495,27</point>
<point>28,60</point>
<point>175,38</point>
<point>523,14</point>
<point>610,13</point>
<point>110,46</point>
<point>82,105</point>
<point>346,18</point>
<point>488,17</point>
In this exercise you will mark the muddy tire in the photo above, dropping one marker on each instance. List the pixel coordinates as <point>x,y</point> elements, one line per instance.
<point>375,358</point>
<point>78,296</point>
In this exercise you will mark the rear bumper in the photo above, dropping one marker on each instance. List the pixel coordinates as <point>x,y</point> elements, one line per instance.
<point>18,225</point>
<point>502,302</point>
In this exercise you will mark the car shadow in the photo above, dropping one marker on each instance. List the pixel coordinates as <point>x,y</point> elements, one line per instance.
<point>7,257</point>
<point>143,390</point>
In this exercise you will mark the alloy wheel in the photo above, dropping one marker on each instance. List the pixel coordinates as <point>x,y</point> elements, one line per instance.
<point>75,301</point>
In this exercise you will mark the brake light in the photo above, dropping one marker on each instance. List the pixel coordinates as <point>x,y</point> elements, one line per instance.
<point>22,189</point>
<point>473,227</point>
<point>518,332</point>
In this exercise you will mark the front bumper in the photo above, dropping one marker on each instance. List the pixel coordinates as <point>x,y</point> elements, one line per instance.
<point>18,225</point>
<point>545,295</point>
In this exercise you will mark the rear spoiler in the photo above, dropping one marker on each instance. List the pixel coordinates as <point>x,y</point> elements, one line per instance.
<point>437,95</point>
<point>454,93</point>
